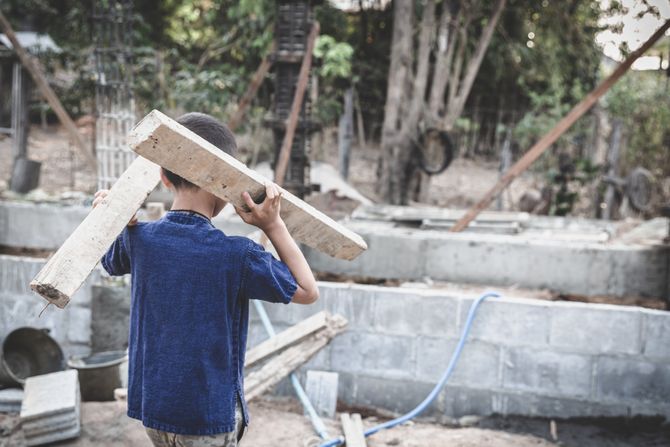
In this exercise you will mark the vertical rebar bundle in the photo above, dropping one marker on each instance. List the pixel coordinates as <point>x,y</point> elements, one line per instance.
<point>293,24</point>
<point>114,99</point>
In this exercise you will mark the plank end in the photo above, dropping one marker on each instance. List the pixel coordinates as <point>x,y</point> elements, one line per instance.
<point>50,293</point>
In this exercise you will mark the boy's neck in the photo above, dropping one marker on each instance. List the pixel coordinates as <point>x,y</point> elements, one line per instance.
<point>193,201</point>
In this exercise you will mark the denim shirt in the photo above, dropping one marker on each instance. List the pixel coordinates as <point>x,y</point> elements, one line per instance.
<point>189,313</point>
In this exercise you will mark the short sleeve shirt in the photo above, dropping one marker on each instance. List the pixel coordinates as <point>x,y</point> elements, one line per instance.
<point>190,292</point>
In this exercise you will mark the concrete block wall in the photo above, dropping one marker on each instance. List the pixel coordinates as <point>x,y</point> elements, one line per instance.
<point>523,357</point>
<point>19,306</point>
<point>583,268</point>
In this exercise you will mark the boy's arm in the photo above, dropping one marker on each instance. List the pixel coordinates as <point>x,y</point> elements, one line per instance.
<point>266,217</point>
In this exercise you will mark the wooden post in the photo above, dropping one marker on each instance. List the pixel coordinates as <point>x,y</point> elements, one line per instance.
<point>250,94</point>
<point>613,162</point>
<point>69,267</point>
<point>174,147</point>
<point>42,84</point>
<point>563,125</point>
<point>345,133</point>
<point>292,121</point>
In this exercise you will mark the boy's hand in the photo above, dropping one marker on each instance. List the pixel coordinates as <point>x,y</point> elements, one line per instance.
<point>265,215</point>
<point>101,195</point>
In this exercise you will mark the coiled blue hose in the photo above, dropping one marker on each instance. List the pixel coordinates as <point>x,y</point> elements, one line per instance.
<point>438,387</point>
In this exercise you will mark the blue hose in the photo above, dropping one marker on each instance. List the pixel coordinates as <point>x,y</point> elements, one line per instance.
<point>317,422</point>
<point>438,387</point>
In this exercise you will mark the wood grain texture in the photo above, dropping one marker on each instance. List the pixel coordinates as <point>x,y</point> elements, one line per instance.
<point>258,382</point>
<point>69,267</point>
<point>352,426</point>
<point>171,145</point>
<point>286,338</point>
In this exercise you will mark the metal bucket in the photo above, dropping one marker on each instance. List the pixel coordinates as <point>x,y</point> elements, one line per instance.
<point>28,352</point>
<point>99,374</point>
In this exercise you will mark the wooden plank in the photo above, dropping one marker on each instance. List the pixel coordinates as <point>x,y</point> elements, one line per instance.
<point>171,145</point>
<point>257,382</point>
<point>352,426</point>
<point>28,61</point>
<point>563,125</point>
<point>69,267</point>
<point>292,122</point>
<point>286,338</point>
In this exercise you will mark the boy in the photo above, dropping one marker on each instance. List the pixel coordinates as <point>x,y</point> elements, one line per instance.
<point>191,286</point>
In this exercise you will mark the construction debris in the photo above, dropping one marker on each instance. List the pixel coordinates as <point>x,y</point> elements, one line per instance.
<point>352,426</point>
<point>261,380</point>
<point>51,408</point>
<point>10,400</point>
<point>321,388</point>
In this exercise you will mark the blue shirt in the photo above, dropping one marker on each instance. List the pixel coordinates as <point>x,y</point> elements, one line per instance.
<point>191,286</point>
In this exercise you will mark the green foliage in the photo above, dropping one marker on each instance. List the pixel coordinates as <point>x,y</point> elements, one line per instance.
<point>641,101</point>
<point>335,57</point>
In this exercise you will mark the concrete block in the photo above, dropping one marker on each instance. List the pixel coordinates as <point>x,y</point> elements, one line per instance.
<point>595,329</point>
<point>656,339</point>
<point>50,394</point>
<point>389,356</point>
<point>321,388</point>
<point>535,405</point>
<point>110,318</point>
<point>633,379</point>
<point>508,321</point>
<point>58,435</point>
<point>398,396</point>
<point>547,372</point>
<point>355,303</point>
<point>478,365</point>
<point>456,401</point>
<point>438,316</point>
<point>320,360</point>
<point>79,325</point>
<point>397,312</point>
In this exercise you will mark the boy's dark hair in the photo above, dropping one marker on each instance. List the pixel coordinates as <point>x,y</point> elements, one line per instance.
<point>211,130</point>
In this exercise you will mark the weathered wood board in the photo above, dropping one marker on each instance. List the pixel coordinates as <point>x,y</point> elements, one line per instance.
<point>69,267</point>
<point>174,147</point>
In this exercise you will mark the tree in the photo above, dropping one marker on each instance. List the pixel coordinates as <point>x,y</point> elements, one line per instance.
<point>429,80</point>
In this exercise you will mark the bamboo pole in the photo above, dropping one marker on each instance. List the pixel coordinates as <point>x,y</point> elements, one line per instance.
<point>550,138</point>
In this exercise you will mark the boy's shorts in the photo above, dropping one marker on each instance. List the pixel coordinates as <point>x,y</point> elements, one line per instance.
<point>165,439</point>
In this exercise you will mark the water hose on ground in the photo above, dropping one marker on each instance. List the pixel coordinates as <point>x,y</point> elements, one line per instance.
<point>438,387</point>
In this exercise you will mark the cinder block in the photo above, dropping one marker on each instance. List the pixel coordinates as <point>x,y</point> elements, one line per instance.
<point>457,401</point>
<point>439,316</point>
<point>355,303</point>
<point>508,321</point>
<point>535,405</point>
<point>595,329</point>
<point>656,334</point>
<point>478,365</point>
<point>547,372</point>
<point>380,355</point>
<point>633,379</point>
<point>110,318</point>
<point>397,312</point>
<point>398,396</point>
<point>79,325</point>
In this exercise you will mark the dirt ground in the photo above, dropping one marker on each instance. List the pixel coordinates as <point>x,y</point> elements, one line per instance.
<point>461,185</point>
<point>278,422</point>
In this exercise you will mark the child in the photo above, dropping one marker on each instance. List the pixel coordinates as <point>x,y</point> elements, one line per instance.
<point>191,286</point>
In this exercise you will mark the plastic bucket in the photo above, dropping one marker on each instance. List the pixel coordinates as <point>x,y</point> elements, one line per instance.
<point>28,352</point>
<point>99,374</point>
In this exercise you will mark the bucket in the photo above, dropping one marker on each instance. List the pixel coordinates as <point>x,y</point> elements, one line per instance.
<point>28,352</point>
<point>99,374</point>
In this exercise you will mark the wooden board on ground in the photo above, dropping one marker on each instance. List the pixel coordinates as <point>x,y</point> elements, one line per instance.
<point>280,366</point>
<point>352,426</point>
<point>69,267</point>
<point>286,338</point>
<point>171,145</point>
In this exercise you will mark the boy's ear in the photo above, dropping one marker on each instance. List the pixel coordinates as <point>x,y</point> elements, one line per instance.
<point>166,181</point>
